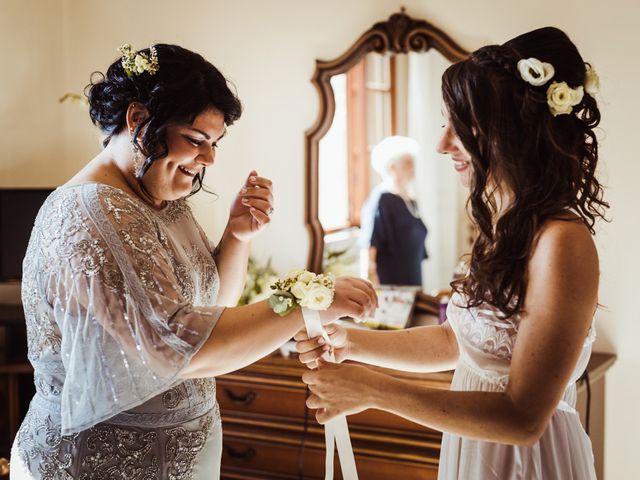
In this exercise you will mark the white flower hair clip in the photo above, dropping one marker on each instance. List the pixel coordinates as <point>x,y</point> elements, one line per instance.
<point>535,72</point>
<point>136,63</point>
<point>561,98</point>
<point>591,81</point>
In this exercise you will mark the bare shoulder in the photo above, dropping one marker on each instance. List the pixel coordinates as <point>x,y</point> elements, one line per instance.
<point>564,240</point>
<point>564,263</point>
<point>560,302</point>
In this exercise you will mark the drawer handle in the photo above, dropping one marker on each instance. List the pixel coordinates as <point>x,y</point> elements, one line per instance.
<point>243,400</point>
<point>246,455</point>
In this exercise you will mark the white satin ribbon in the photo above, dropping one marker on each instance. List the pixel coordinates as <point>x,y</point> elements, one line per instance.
<point>336,431</point>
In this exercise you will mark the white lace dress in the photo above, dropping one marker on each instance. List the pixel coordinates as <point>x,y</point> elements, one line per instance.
<point>564,451</point>
<point>117,297</point>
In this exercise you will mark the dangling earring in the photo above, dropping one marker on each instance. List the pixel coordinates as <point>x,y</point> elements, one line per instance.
<point>137,160</point>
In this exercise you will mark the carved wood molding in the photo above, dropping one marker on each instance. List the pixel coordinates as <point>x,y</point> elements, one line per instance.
<point>399,34</point>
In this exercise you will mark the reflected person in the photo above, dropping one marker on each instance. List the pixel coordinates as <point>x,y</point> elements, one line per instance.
<point>392,229</point>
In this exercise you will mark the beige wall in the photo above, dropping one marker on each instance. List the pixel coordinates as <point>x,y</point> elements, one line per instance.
<point>268,49</point>
<point>31,128</point>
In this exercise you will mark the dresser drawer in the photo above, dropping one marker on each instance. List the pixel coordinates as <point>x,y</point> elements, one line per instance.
<point>265,399</point>
<point>250,457</point>
<point>289,401</point>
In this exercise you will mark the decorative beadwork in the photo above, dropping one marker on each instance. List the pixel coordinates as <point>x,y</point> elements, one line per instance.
<point>68,255</point>
<point>182,447</point>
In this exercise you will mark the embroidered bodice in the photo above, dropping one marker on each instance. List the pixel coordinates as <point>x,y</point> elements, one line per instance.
<point>486,341</point>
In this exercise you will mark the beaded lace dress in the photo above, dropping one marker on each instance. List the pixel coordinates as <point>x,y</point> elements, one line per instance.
<point>117,297</point>
<point>486,342</point>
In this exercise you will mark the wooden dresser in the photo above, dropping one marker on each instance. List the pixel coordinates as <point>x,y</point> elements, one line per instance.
<point>263,410</point>
<point>268,433</point>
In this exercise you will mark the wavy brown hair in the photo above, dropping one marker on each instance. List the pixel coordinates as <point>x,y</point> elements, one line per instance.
<point>546,163</point>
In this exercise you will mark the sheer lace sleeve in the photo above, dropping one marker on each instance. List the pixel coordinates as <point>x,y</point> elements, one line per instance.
<point>127,328</point>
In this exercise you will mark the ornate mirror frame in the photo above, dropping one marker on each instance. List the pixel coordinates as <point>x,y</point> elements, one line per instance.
<point>399,34</point>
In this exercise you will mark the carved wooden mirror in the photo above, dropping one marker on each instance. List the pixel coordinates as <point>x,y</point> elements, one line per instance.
<point>387,83</point>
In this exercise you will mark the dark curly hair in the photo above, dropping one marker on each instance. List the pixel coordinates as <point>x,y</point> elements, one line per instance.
<point>548,163</point>
<point>185,86</point>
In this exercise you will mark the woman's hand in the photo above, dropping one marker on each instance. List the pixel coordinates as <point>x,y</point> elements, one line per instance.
<point>311,349</point>
<point>251,210</point>
<point>353,297</point>
<point>342,389</point>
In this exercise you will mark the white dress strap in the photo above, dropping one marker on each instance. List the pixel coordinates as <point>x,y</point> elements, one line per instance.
<point>565,407</point>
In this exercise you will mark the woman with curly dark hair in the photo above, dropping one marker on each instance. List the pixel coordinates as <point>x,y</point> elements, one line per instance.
<point>520,121</point>
<point>124,296</point>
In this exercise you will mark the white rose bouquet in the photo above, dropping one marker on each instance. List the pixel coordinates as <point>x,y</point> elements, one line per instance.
<point>301,288</point>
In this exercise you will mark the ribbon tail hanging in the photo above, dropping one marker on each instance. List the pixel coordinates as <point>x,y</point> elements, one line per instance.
<point>337,430</point>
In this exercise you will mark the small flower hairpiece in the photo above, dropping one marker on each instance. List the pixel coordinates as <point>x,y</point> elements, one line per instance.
<point>561,98</point>
<point>591,81</point>
<point>136,63</point>
<point>535,72</point>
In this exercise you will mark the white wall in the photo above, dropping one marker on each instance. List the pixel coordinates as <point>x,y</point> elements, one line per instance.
<point>268,49</point>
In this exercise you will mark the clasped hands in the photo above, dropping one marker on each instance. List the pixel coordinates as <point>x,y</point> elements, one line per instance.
<point>339,389</point>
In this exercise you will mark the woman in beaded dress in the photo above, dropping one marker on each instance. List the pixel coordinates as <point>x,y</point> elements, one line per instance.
<point>519,122</point>
<point>129,308</point>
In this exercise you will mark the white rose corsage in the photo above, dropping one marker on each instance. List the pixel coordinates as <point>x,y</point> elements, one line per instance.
<point>301,288</point>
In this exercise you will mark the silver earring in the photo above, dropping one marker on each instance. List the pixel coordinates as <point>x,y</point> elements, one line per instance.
<point>137,160</point>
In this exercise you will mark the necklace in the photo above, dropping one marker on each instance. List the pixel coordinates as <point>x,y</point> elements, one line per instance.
<point>412,206</point>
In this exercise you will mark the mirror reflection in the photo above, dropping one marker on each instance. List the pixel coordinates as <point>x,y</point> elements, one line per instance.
<point>392,209</point>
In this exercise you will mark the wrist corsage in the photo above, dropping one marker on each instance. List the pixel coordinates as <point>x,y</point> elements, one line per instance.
<point>301,288</point>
